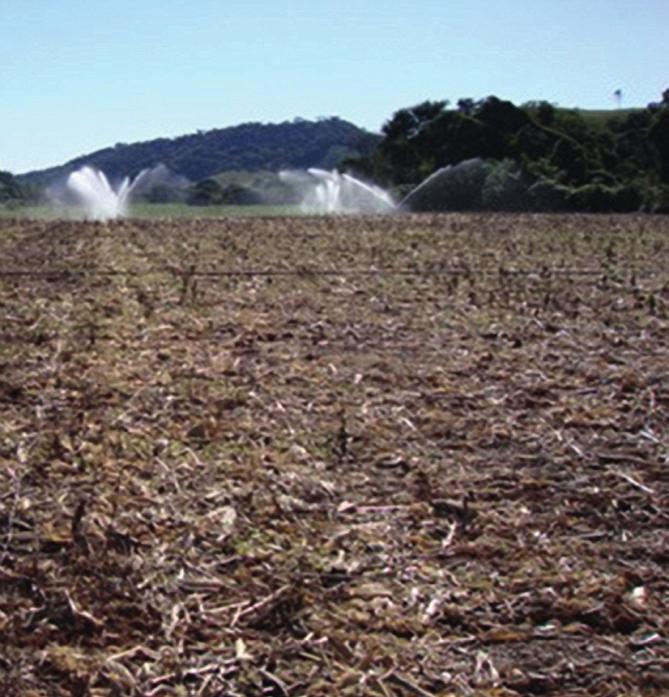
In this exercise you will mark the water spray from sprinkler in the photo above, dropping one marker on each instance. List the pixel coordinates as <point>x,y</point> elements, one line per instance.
<point>324,192</point>
<point>100,200</point>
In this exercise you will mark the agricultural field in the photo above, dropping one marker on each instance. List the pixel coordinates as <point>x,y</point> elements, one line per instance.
<point>147,210</point>
<point>391,456</point>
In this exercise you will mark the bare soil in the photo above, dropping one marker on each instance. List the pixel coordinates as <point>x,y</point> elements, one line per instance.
<point>411,455</point>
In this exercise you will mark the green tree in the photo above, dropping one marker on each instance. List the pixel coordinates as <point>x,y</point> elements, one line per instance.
<point>207,192</point>
<point>237,195</point>
<point>659,136</point>
<point>10,189</point>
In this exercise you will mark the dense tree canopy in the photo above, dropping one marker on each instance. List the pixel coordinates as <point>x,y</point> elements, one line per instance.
<point>586,161</point>
<point>10,189</point>
<point>534,156</point>
<point>250,146</point>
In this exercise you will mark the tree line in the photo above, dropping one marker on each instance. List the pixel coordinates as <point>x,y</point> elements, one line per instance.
<point>502,157</point>
<point>246,147</point>
<point>534,156</point>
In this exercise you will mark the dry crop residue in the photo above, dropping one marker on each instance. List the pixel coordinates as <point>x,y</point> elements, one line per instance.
<point>404,455</point>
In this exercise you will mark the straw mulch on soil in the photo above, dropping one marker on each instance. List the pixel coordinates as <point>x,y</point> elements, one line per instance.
<point>393,456</point>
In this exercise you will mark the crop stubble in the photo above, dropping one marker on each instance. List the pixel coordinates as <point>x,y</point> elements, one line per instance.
<point>309,456</point>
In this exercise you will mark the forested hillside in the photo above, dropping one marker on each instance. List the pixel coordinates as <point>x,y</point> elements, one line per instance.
<point>249,146</point>
<point>10,189</point>
<point>501,157</point>
<point>533,156</point>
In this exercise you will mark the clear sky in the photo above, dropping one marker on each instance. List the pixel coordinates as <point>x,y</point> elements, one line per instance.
<point>78,75</point>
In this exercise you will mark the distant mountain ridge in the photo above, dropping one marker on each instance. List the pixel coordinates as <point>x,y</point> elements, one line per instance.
<point>250,146</point>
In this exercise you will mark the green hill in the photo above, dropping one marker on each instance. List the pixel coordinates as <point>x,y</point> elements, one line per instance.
<point>249,147</point>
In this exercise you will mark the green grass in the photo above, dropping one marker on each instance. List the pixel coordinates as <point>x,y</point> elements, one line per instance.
<point>18,211</point>
<point>181,210</point>
<point>602,116</point>
<point>152,210</point>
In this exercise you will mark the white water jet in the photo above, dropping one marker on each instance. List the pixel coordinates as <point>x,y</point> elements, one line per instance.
<point>335,193</point>
<point>100,200</point>
<point>454,187</point>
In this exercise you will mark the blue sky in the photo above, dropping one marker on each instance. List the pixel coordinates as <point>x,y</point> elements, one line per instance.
<point>78,75</point>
